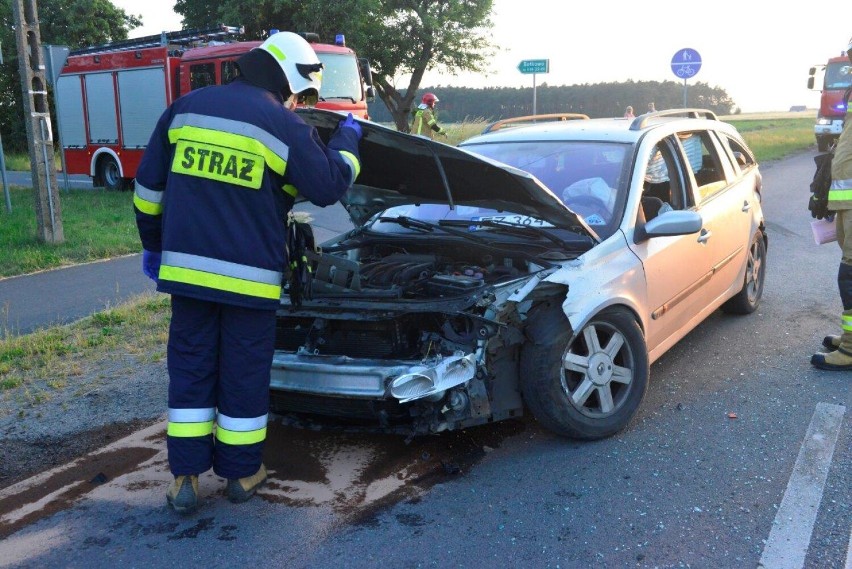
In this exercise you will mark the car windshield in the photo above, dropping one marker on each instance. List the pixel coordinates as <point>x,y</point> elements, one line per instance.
<point>838,75</point>
<point>340,77</point>
<point>589,177</point>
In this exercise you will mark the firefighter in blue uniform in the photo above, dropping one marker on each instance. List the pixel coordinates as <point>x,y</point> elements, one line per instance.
<point>213,191</point>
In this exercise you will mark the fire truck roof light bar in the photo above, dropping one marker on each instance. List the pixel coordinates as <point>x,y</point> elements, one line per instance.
<point>180,37</point>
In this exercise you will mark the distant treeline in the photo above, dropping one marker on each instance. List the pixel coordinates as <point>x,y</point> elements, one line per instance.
<point>459,104</point>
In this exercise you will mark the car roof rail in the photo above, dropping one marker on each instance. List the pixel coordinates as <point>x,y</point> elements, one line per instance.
<point>533,119</point>
<point>642,121</point>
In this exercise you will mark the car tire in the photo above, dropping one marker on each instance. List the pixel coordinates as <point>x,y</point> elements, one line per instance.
<point>748,298</point>
<point>583,399</point>
<point>109,174</point>
<point>823,142</point>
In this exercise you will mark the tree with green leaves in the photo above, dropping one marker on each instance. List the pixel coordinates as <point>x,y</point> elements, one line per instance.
<point>399,37</point>
<point>75,23</point>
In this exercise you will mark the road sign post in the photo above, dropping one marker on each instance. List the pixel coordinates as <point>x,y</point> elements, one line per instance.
<point>37,116</point>
<point>5,180</point>
<point>533,67</point>
<point>685,64</point>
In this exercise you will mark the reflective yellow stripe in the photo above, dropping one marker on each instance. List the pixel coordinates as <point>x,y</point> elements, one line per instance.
<point>291,190</point>
<point>354,163</point>
<point>418,122</point>
<point>218,163</point>
<point>839,195</point>
<point>145,206</point>
<point>220,267</point>
<point>240,437</point>
<point>274,50</point>
<point>219,282</point>
<point>190,429</point>
<point>846,323</point>
<point>231,141</point>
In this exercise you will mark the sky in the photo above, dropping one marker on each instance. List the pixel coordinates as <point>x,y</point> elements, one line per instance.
<point>758,51</point>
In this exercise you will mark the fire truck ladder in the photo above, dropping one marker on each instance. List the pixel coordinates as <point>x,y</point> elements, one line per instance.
<point>180,37</point>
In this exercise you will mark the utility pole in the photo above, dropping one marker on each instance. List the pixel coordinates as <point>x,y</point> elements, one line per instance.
<point>37,117</point>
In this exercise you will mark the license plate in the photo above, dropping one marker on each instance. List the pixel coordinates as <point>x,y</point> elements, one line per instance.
<point>514,219</point>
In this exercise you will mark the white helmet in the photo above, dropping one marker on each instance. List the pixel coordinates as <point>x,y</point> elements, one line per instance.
<point>297,59</point>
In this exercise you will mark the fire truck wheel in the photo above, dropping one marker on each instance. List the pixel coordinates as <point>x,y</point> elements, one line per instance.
<point>109,175</point>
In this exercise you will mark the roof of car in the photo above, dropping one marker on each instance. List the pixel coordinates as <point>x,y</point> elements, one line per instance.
<point>601,129</point>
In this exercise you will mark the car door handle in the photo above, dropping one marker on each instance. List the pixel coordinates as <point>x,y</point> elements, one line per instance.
<point>705,236</point>
<point>746,206</point>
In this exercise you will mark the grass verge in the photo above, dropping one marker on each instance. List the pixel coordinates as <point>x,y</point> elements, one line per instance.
<point>772,139</point>
<point>97,224</point>
<point>77,357</point>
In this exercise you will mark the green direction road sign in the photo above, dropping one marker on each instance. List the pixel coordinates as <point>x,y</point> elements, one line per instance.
<point>528,66</point>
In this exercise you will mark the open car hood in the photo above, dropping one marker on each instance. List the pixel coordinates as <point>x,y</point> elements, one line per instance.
<point>399,169</point>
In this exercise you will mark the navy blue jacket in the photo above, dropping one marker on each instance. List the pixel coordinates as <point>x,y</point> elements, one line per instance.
<point>220,173</point>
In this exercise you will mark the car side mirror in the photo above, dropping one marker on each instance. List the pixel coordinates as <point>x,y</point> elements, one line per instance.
<point>370,93</point>
<point>677,222</point>
<point>810,82</point>
<point>366,71</point>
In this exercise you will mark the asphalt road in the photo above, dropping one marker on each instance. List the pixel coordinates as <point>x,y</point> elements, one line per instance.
<point>739,457</point>
<point>16,178</point>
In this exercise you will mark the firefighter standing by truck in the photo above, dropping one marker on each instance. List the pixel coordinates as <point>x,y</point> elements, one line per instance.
<point>425,122</point>
<point>839,356</point>
<point>213,192</point>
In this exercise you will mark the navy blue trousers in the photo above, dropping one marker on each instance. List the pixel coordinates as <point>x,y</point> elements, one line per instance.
<point>219,362</point>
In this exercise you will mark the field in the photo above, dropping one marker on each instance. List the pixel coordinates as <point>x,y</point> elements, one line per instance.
<point>770,135</point>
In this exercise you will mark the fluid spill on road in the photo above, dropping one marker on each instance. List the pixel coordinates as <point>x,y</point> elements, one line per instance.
<point>353,474</point>
<point>356,474</point>
<point>65,486</point>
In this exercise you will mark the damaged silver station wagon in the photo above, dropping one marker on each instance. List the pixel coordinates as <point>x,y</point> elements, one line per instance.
<point>540,266</point>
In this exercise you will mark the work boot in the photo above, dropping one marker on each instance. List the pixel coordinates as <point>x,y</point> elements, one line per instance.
<point>240,490</point>
<point>837,360</point>
<point>831,342</point>
<point>182,495</point>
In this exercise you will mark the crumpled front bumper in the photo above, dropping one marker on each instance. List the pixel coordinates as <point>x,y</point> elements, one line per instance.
<point>343,376</point>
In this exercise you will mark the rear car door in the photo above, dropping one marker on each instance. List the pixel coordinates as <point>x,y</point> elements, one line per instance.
<point>723,198</point>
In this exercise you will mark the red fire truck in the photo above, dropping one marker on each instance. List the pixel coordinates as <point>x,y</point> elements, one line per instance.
<point>108,98</point>
<point>832,107</point>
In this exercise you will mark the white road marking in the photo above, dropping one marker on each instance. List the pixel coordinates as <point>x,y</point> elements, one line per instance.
<point>848,564</point>
<point>791,532</point>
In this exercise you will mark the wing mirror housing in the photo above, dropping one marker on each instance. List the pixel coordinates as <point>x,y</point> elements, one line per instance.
<point>366,71</point>
<point>669,224</point>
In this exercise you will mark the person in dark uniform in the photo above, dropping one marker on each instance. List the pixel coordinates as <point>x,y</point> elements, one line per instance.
<point>220,174</point>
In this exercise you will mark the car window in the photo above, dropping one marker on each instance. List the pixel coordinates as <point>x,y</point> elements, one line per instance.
<point>340,78</point>
<point>741,157</point>
<point>704,161</point>
<point>202,75</point>
<point>589,177</point>
<point>228,71</point>
<point>664,188</point>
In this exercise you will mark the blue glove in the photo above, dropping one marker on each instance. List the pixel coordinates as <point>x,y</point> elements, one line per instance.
<point>151,264</point>
<point>349,122</point>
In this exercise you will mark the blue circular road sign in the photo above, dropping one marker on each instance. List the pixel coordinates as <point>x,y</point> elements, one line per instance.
<point>686,63</point>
